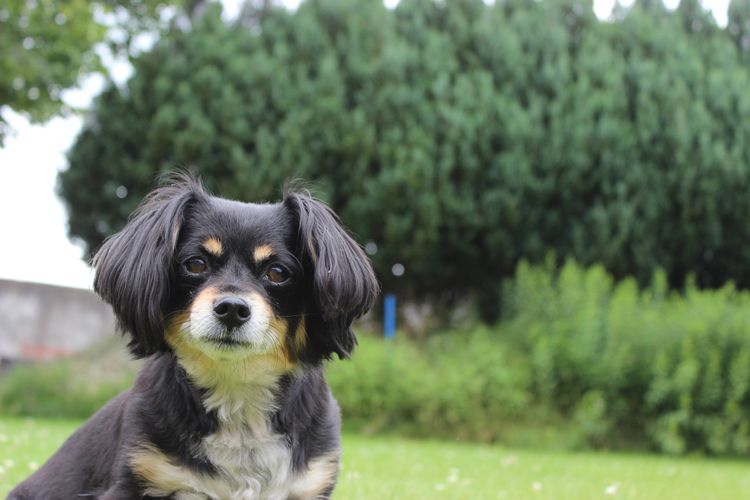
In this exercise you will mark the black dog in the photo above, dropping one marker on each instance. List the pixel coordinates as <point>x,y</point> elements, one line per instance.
<point>236,306</point>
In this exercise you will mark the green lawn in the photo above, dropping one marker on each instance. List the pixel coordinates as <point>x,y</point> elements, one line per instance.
<point>392,468</point>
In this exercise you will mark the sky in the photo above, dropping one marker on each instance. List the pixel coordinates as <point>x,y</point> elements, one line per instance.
<point>33,220</point>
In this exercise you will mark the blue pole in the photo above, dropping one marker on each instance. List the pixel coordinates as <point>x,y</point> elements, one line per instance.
<point>389,320</point>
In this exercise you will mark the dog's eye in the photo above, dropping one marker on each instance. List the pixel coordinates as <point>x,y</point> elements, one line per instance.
<point>277,274</point>
<point>196,265</point>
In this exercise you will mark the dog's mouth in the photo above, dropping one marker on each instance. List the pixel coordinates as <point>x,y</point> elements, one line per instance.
<point>228,339</point>
<point>228,342</point>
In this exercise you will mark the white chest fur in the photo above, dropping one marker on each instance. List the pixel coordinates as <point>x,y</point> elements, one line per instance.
<point>253,462</point>
<point>250,465</point>
<point>253,466</point>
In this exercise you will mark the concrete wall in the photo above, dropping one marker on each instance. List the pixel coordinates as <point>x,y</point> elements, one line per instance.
<point>44,321</point>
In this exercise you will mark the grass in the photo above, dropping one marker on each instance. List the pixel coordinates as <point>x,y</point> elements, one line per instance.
<point>393,468</point>
<point>25,444</point>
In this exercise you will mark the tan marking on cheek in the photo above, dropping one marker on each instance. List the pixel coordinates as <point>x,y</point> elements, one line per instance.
<point>280,329</point>
<point>286,354</point>
<point>174,325</point>
<point>320,475</point>
<point>300,336</point>
<point>195,361</point>
<point>191,358</point>
<point>262,252</point>
<point>174,336</point>
<point>213,246</point>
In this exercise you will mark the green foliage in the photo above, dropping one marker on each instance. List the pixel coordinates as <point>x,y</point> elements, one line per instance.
<point>739,26</point>
<point>46,46</point>
<point>636,365</point>
<point>580,360</point>
<point>460,385</point>
<point>73,388</point>
<point>461,137</point>
<point>612,365</point>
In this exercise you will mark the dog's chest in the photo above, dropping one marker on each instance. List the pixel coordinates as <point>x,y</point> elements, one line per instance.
<point>252,461</point>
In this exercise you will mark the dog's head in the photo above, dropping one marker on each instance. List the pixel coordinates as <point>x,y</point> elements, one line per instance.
<point>233,280</point>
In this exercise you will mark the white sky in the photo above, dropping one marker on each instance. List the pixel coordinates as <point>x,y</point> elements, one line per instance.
<point>33,222</point>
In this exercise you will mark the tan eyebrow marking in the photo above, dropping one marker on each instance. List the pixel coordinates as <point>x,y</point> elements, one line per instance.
<point>214,246</point>
<point>262,252</point>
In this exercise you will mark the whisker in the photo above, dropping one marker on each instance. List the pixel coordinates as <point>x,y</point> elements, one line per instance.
<point>298,315</point>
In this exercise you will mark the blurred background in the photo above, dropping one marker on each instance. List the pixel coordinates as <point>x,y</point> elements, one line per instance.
<point>556,193</point>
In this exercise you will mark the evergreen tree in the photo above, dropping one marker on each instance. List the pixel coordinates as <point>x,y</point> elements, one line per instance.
<point>739,25</point>
<point>458,136</point>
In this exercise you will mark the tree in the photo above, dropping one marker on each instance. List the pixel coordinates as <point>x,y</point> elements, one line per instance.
<point>739,25</point>
<point>47,46</point>
<point>460,137</point>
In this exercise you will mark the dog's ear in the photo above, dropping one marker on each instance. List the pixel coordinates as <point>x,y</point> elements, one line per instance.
<point>133,267</point>
<point>341,280</point>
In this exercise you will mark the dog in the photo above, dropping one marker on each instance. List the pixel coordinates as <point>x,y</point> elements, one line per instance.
<point>235,307</point>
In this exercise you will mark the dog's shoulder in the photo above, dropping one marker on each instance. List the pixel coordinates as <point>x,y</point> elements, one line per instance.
<point>83,464</point>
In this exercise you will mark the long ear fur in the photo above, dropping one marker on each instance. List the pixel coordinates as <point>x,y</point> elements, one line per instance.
<point>133,266</point>
<point>343,282</point>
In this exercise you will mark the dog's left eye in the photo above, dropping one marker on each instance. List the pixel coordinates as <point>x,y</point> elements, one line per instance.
<point>196,265</point>
<point>277,274</point>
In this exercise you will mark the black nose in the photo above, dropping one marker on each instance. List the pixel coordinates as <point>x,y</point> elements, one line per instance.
<point>232,311</point>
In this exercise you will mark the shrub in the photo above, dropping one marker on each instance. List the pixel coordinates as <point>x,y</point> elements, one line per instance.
<point>459,385</point>
<point>617,365</point>
<point>70,388</point>
<point>647,365</point>
<point>578,360</point>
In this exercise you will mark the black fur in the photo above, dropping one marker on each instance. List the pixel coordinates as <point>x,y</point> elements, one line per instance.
<point>141,272</point>
<point>133,266</point>
<point>342,284</point>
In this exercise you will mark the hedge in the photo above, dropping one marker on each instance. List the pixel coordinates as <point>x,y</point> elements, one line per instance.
<point>579,360</point>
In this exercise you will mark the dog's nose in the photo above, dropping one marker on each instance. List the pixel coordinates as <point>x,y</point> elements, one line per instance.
<point>232,311</point>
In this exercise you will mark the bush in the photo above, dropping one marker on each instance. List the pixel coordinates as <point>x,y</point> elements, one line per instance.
<point>71,388</point>
<point>458,385</point>
<point>606,363</point>
<point>579,360</point>
<point>652,366</point>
